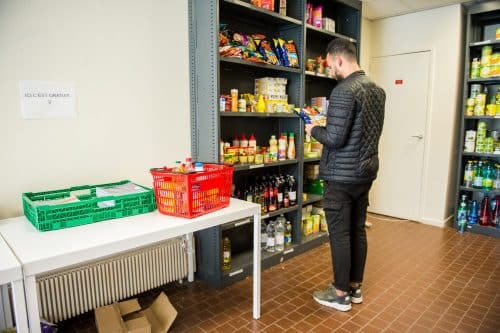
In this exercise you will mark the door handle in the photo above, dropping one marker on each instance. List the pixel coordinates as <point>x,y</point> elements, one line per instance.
<point>420,137</point>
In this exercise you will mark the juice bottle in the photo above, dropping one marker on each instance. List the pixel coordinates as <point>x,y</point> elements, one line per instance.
<point>273,148</point>
<point>282,148</point>
<point>291,146</point>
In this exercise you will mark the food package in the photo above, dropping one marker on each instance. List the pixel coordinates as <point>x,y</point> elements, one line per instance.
<point>291,52</point>
<point>267,52</point>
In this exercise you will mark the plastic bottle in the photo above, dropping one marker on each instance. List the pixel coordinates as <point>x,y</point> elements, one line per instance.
<point>263,234</point>
<point>488,177</point>
<point>473,213</point>
<point>234,100</point>
<point>271,243</point>
<point>288,233</point>
<point>291,146</point>
<point>273,148</point>
<point>462,215</point>
<point>261,105</point>
<point>252,142</point>
<point>282,148</point>
<point>236,141</point>
<point>468,175</point>
<point>478,177</point>
<point>485,216</point>
<point>243,141</point>
<point>280,234</point>
<point>226,254</point>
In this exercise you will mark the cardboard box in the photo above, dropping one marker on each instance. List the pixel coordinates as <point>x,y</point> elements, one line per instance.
<point>127,317</point>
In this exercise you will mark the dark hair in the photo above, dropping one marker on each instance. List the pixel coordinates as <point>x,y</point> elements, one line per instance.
<point>342,46</point>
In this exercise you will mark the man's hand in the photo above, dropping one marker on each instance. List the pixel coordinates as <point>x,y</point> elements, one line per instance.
<point>309,128</point>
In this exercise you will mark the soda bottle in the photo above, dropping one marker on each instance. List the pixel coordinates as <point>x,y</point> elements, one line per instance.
<point>280,234</point>
<point>288,233</point>
<point>488,177</point>
<point>271,244</point>
<point>468,174</point>
<point>473,213</point>
<point>495,216</point>
<point>496,183</point>
<point>485,216</point>
<point>478,176</point>
<point>462,215</point>
<point>226,254</point>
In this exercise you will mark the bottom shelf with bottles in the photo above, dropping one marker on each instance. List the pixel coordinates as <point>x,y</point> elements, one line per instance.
<point>479,212</point>
<point>488,231</point>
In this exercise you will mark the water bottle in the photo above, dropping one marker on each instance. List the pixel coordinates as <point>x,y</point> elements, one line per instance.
<point>478,177</point>
<point>473,213</point>
<point>280,234</point>
<point>271,243</point>
<point>496,183</point>
<point>462,215</point>
<point>263,234</point>
<point>468,174</point>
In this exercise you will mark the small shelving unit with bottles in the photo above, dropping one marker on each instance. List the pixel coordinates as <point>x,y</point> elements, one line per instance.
<point>213,75</point>
<point>482,21</point>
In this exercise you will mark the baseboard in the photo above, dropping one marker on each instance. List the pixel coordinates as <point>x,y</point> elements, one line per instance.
<point>436,222</point>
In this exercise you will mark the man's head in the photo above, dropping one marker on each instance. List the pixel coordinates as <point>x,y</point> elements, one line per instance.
<point>341,58</point>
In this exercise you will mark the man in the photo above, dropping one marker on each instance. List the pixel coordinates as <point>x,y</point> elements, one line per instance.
<point>349,165</point>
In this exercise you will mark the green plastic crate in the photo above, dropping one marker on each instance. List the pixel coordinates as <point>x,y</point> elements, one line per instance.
<point>85,211</point>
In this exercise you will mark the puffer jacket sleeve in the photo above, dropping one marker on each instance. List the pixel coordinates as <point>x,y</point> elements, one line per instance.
<point>339,120</point>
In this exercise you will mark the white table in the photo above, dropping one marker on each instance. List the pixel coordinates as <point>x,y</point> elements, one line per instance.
<point>11,272</point>
<point>42,252</point>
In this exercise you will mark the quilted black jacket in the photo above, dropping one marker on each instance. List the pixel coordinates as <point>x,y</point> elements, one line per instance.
<point>354,123</point>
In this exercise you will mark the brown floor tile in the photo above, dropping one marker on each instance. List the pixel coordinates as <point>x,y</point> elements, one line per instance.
<point>448,285</point>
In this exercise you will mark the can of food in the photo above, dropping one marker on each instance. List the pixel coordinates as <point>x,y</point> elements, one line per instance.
<point>482,125</point>
<point>491,109</point>
<point>479,110</point>
<point>485,72</point>
<point>470,135</point>
<point>475,89</point>
<point>487,50</point>
<point>475,69</point>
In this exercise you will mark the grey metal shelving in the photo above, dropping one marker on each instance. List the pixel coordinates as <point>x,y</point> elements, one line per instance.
<point>482,20</point>
<point>212,75</point>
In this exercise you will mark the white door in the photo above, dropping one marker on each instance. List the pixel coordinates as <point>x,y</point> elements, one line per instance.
<point>405,79</point>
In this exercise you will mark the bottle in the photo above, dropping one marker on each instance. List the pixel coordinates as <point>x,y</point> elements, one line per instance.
<point>265,207</point>
<point>271,245</point>
<point>473,217</point>
<point>291,147</point>
<point>243,141</point>
<point>462,215</point>
<point>252,142</point>
<point>468,174</point>
<point>280,193</point>
<point>496,183</point>
<point>273,148</point>
<point>488,177</point>
<point>282,148</point>
<point>280,234</point>
<point>478,177</point>
<point>236,141</point>
<point>286,196</point>
<point>495,219</point>
<point>249,194</point>
<point>293,192</point>
<point>485,216</point>
<point>189,164</point>
<point>199,167</point>
<point>263,234</point>
<point>261,105</point>
<point>288,233</point>
<point>272,198</point>
<point>226,254</point>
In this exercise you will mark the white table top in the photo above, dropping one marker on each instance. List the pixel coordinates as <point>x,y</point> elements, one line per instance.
<point>10,268</point>
<point>41,252</point>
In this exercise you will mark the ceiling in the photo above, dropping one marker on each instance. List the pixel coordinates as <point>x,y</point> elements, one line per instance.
<point>377,9</point>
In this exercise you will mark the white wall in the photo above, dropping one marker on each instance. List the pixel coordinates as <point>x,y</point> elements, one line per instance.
<point>438,30</point>
<point>366,44</point>
<point>129,60</point>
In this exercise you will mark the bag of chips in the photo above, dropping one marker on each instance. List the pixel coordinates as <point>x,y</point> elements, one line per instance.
<point>291,52</point>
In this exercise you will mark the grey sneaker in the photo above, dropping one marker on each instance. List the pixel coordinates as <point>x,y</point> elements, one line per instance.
<point>356,296</point>
<point>328,297</point>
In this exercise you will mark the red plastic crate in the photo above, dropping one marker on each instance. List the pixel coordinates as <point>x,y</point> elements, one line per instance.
<point>193,194</point>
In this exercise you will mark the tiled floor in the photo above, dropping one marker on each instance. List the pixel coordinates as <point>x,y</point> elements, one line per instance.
<point>418,279</point>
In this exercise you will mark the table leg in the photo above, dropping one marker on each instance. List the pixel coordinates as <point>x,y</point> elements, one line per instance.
<point>256,266</point>
<point>5,310</point>
<point>32,304</point>
<point>190,256</point>
<point>19,300</point>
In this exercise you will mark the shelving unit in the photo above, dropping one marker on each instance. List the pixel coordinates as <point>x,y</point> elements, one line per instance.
<point>482,20</point>
<point>213,75</point>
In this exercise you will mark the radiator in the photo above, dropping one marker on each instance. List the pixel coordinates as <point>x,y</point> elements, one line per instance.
<point>68,293</point>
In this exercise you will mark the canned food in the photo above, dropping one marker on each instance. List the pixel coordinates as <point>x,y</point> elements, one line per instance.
<point>491,109</point>
<point>482,125</point>
<point>489,146</point>
<point>469,146</point>
<point>470,135</point>
<point>487,50</point>
<point>475,89</point>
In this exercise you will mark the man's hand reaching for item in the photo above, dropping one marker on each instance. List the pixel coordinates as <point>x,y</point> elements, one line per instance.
<point>309,128</point>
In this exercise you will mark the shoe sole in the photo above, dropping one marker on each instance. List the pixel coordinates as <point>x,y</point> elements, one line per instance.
<point>336,306</point>
<point>357,300</point>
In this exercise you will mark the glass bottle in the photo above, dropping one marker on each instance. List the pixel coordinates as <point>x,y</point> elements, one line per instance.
<point>485,216</point>
<point>293,192</point>
<point>271,244</point>
<point>288,233</point>
<point>488,177</point>
<point>468,174</point>
<point>478,177</point>
<point>496,183</point>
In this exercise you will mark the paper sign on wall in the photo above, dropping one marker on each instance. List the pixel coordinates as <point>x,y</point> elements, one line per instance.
<point>47,100</point>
